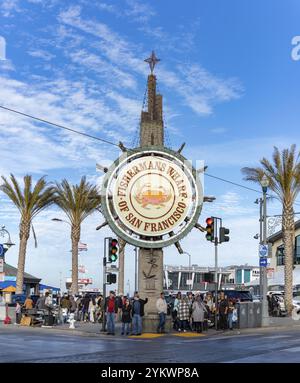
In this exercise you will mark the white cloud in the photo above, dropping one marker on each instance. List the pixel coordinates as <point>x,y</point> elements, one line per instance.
<point>8,7</point>
<point>139,10</point>
<point>230,204</point>
<point>39,53</point>
<point>200,89</point>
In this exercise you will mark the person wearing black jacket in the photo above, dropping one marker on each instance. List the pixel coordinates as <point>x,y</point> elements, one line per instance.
<point>126,317</point>
<point>137,313</point>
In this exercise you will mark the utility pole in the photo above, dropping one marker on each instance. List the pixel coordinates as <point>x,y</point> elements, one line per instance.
<point>104,285</point>
<point>260,201</point>
<point>216,280</point>
<point>216,242</point>
<point>265,312</point>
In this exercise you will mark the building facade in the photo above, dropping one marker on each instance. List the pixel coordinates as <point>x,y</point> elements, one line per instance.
<point>277,257</point>
<point>197,278</point>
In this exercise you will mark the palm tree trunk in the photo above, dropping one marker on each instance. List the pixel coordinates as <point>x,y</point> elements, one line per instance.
<point>288,230</point>
<point>75,236</point>
<point>24,235</point>
<point>122,244</point>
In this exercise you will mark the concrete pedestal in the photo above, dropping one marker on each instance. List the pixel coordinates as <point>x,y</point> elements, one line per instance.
<point>150,323</point>
<point>150,278</point>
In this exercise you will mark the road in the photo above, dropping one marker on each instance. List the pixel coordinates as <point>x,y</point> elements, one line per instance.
<point>50,345</point>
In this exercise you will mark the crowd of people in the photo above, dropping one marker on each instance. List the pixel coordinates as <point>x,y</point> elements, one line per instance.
<point>190,312</point>
<point>196,312</point>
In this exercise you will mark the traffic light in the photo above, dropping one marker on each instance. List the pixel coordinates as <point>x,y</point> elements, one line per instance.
<point>224,234</point>
<point>210,229</point>
<point>111,278</point>
<point>112,250</point>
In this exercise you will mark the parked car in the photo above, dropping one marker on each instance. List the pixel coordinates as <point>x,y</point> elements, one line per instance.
<point>256,298</point>
<point>296,304</point>
<point>276,303</point>
<point>239,295</point>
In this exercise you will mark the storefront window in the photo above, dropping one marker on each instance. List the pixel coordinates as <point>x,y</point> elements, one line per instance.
<point>280,253</point>
<point>297,251</point>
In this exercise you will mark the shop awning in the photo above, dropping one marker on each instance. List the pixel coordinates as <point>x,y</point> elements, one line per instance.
<point>5,284</point>
<point>9,289</point>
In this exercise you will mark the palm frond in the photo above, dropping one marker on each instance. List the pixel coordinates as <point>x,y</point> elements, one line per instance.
<point>77,201</point>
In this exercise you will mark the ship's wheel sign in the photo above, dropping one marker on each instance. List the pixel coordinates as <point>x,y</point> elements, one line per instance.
<point>151,198</point>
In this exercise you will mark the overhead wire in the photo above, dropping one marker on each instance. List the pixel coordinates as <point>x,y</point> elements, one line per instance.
<point>58,125</point>
<point>118,145</point>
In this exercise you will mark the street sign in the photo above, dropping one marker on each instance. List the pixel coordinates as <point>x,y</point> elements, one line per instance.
<point>263,250</point>
<point>1,250</point>
<point>263,262</point>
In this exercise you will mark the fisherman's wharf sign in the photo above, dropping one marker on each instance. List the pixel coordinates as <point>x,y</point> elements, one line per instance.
<point>151,198</point>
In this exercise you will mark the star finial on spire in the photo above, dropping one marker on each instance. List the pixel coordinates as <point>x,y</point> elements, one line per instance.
<point>152,61</point>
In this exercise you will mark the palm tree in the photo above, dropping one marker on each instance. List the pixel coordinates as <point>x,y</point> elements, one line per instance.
<point>284,180</point>
<point>30,201</point>
<point>77,202</point>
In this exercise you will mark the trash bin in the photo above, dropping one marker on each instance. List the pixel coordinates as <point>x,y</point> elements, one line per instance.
<point>242,315</point>
<point>49,320</point>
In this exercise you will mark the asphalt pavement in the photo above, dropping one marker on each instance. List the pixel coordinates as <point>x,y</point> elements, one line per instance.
<point>48,345</point>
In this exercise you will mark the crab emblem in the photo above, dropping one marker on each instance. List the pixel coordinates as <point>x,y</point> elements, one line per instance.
<point>156,196</point>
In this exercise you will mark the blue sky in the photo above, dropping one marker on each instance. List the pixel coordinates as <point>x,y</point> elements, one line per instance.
<point>231,92</point>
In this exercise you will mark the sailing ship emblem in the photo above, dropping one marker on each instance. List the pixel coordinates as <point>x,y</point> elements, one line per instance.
<point>157,196</point>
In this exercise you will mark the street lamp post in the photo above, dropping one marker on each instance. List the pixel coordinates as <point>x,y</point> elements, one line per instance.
<point>265,315</point>
<point>8,243</point>
<point>190,273</point>
<point>4,231</point>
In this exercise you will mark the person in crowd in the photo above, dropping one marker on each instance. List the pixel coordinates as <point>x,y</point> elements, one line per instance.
<point>78,301</point>
<point>121,302</point>
<point>162,308</point>
<point>48,300</point>
<point>18,312</point>
<point>126,317</point>
<point>198,310</point>
<point>65,307</point>
<point>73,305</point>
<point>85,307</point>
<point>65,302</point>
<point>39,302</point>
<point>223,311</point>
<point>230,311</point>
<point>99,308</point>
<point>190,301</point>
<point>206,316</point>
<point>176,322</point>
<point>92,309</point>
<point>111,309</point>
<point>28,304</point>
<point>183,314</point>
<point>137,313</point>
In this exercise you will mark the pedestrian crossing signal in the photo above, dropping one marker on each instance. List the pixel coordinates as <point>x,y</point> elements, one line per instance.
<point>224,234</point>
<point>111,278</point>
<point>112,250</point>
<point>210,229</point>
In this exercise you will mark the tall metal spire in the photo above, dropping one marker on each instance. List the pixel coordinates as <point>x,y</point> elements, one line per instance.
<point>152,61</point>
